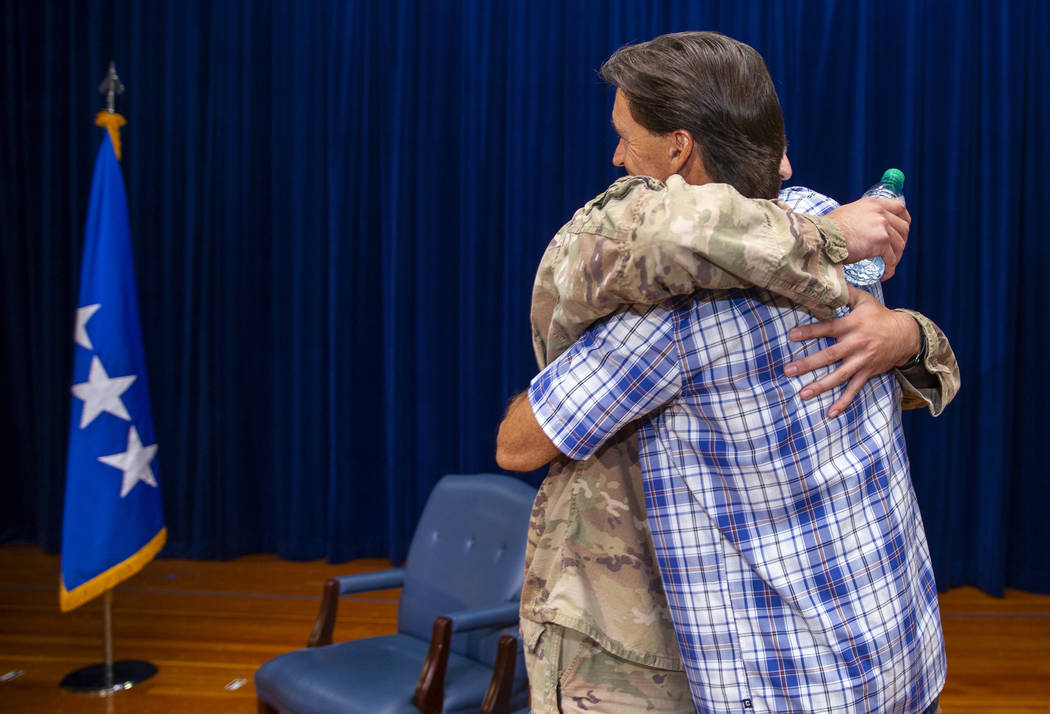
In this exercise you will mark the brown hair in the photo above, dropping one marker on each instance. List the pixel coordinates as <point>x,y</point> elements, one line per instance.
<point>716,88</point>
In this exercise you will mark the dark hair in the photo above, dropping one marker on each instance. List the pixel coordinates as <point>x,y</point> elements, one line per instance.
<point>716,88</point>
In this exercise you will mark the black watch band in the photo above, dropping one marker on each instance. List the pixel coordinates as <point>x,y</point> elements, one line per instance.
<point>920,356</point>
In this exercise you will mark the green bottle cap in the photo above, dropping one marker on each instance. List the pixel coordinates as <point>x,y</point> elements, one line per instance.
<point>894,178</point>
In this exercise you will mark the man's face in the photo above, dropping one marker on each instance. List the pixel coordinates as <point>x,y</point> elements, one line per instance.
<point>640,152</point>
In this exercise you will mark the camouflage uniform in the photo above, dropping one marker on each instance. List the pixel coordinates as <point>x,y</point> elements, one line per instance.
<point>570,672</point>
<point>590,566</point>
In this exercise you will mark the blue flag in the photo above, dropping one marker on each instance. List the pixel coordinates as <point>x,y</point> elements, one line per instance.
<point>114,523</point>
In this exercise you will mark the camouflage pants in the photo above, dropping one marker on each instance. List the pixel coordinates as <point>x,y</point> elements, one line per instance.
<point>570,673</point>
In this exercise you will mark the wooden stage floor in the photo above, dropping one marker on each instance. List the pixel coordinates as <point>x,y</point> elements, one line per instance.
<point>208,624</point>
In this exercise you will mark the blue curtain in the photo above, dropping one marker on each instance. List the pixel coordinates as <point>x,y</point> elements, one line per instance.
<point>337,208</point>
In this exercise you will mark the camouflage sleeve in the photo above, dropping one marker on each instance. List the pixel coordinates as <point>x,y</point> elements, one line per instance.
<point>935,381</point>
<point>643,241</point>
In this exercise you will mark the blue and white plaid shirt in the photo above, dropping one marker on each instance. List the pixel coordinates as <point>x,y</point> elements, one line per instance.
<point>790,545</point>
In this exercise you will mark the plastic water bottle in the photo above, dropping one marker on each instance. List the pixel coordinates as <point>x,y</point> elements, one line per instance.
<point>868,271</point>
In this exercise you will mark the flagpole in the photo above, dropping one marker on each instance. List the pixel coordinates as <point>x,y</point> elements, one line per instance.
<point>107,626</point>
<point>105,678</point>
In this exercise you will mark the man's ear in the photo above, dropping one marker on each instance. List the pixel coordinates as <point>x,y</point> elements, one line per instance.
<point>680,149</point>
<point>686,159</point>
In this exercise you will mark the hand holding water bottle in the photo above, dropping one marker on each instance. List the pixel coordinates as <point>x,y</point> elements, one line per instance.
<point>868,272</point>
<point>875,227</point>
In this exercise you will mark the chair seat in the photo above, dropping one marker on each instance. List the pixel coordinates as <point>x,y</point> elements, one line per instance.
<point>301,682</point>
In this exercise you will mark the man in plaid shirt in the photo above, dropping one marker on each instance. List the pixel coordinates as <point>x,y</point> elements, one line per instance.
<point>790,544</point>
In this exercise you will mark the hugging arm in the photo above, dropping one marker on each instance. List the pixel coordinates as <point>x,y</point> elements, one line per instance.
<point>643,241</point>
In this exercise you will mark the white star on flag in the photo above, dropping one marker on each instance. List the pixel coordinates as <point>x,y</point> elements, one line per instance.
<point>102,394</point>
<point>80,335</point>
<point>135,463</point>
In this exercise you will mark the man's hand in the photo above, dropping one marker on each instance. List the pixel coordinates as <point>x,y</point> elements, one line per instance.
<point>874,226</point>
<point>869,341</point>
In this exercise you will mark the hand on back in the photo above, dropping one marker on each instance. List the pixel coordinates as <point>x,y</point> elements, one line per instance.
<point>869,341</point>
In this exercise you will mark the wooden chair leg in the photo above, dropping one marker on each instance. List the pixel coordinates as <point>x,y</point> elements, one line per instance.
<point>429,697</point>
<point>497,698</point>
<point>265,708</point>
<point>325,622</point>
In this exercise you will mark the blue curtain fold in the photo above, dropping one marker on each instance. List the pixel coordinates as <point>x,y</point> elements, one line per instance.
<point>337,209</point>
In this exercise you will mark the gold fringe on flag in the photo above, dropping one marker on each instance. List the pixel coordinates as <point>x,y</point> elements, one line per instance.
<point>111,122</point>
<point>69,599</point>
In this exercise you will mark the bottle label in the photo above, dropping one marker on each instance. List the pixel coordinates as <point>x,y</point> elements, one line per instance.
<point>864,272</point>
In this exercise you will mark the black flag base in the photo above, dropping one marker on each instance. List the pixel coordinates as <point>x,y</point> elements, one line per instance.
<point>94,679</point>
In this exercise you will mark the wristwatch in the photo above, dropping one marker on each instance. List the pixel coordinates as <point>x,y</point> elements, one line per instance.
<point>920,356</point>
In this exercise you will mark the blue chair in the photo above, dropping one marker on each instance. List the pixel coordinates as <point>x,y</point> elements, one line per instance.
<point>461,586</point>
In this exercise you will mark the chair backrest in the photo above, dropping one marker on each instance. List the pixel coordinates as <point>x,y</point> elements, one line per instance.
<point>468,551</point>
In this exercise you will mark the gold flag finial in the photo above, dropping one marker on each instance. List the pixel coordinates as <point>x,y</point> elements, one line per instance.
<point>108,118</point>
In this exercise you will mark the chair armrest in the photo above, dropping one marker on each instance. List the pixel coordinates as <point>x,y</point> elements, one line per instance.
<point>378,580</point>
<point>496,616</point>
<point>429,696</point>
<point>497,698</point>
<point>334,587</point>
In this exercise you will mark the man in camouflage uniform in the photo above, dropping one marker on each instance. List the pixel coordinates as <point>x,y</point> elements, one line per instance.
<point>598,635</point>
